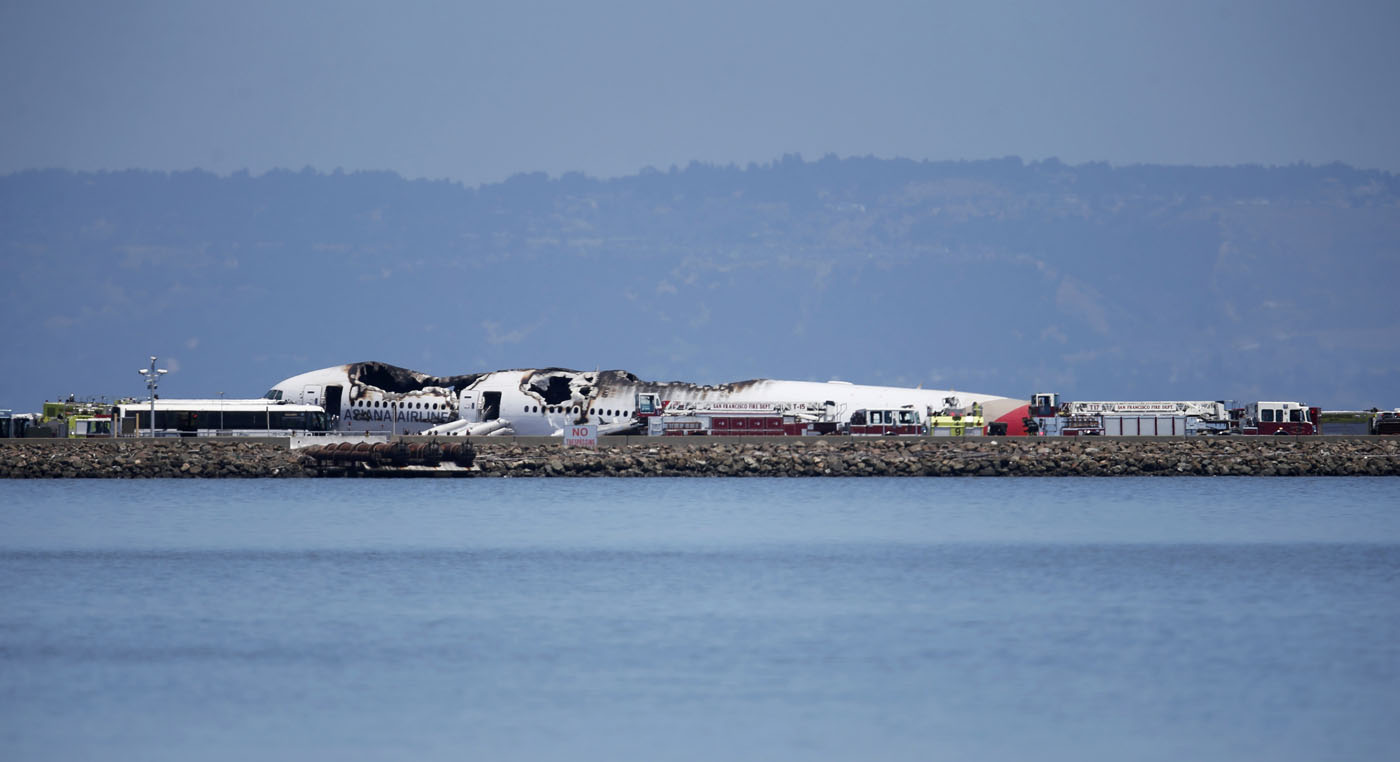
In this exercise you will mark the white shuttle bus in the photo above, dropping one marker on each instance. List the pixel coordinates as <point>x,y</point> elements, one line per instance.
<point>214,418</point>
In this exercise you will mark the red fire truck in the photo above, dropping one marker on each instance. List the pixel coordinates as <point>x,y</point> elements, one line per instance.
<point>879,423</point>
<point>1275,418</point>
<point>737,419</point>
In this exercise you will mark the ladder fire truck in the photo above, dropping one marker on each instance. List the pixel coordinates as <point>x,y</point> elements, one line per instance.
<point>737,418</point>
<point>1047,416</point>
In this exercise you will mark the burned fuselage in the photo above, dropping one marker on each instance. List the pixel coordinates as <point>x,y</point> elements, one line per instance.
<point>378,397</point>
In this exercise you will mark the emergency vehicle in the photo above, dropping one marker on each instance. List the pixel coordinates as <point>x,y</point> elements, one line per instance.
<point>736,418</point>
<point>1276,418</point>
<point>881,423</point>
<point>1385,422</point>
<point>77,420</point>
<point>1048,416</point>
<point>955,421</point>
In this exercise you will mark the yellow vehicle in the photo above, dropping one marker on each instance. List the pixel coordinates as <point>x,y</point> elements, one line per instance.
<point>957,426</point>
<point>77,420</point>
<point>956,421</point>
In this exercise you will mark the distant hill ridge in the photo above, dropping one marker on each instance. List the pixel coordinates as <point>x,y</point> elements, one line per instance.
<point>996,275</point>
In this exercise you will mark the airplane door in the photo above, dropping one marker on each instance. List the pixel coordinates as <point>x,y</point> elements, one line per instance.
<point>311,395</point>
<point>490,406</point>
<point>333,401</point>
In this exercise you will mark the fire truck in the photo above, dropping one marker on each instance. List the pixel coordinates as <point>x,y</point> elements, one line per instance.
<point>77,420</point>
<point>1047,416</point>
<point>737,418</point>
<point>1275,418</point>
<point>904,421</point>
<point>1385,422</point>
<point>957,421</point>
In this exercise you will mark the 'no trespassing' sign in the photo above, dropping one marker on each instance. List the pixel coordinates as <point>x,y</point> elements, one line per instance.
<point>581,436</point>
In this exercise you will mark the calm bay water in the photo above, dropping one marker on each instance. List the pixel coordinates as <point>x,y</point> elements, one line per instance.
<point>700,619</point>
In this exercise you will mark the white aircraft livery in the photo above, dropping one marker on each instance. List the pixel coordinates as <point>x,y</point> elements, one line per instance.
<point>378,397</point>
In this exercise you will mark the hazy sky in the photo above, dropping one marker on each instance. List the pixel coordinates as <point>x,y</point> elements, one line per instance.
<point>477,91</point>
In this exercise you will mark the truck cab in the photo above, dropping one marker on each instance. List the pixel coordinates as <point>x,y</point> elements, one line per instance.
<point>1042,415</point>
<point>648,404</point>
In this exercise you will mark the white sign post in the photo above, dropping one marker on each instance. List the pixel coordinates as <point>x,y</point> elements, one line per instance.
<point>581,436</point>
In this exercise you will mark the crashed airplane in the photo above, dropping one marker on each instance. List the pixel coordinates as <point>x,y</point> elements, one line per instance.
<point>378,397</point>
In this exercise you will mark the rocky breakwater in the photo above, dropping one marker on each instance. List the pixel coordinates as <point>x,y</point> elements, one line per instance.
<point>137,459</point>
<point>815,456</point>
<point>1222,456</point>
